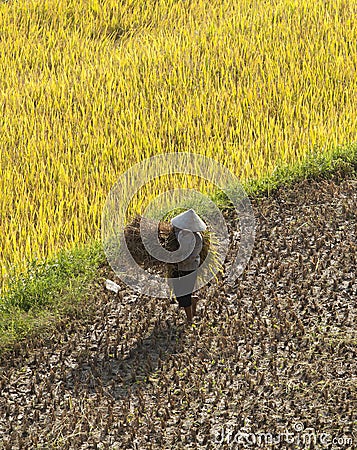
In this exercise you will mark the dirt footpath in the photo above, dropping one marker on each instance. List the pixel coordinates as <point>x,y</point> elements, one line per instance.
<point>271,360</point>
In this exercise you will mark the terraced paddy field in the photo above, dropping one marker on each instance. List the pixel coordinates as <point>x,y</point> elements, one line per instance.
<point>275,354</point>
<point>89,88</point>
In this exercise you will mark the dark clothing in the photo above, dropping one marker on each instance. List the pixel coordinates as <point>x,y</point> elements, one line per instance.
<point>182,286</point>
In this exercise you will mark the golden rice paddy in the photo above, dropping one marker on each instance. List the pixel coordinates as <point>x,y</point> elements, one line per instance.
<point>87,88</point>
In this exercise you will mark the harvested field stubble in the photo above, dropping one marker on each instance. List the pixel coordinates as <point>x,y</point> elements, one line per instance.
<point>279,349</point>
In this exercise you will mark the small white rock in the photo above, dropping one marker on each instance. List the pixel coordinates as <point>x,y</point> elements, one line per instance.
<point>111,286</point>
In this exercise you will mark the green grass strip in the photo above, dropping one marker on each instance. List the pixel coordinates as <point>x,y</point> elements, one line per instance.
<point>339,161</point>
<point>46,291</point>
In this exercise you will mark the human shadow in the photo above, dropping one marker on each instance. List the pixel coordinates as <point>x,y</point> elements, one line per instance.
<point>118,375</point>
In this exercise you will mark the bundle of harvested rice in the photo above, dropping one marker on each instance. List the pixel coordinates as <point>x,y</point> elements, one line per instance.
<point>167,239</point>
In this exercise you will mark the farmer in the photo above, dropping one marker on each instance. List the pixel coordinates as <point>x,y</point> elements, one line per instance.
<point>185,274</point>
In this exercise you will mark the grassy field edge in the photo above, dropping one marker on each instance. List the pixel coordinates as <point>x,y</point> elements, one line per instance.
<point>48,291</point>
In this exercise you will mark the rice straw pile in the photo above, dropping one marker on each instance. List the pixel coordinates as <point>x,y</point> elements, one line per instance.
<point>167,239</point>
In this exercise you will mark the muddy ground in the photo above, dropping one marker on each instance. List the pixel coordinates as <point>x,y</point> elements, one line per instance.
<point>272,359</point>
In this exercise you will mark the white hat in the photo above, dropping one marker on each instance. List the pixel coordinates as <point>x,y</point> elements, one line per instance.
<point>189,220</point>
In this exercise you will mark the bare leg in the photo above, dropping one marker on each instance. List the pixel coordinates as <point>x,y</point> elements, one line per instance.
<point>188,310</point>
<point>194,305</point>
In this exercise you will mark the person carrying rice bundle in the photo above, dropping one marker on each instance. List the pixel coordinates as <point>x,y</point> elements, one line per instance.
<point>184,224</point>
<point>172,235</point>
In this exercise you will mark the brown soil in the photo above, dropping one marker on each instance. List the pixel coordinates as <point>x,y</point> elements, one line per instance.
<point>274,354</point>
